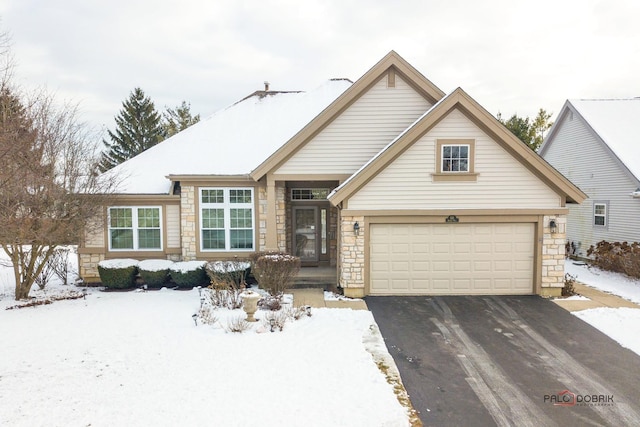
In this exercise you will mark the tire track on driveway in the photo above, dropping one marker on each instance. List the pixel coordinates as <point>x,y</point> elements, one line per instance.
<point>507,404</point>
<point>574,375</point>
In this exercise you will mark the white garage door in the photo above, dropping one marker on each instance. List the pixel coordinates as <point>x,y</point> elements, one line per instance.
<point>450,259</point>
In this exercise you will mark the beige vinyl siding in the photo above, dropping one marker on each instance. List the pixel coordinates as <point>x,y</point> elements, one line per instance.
<point>361,131</point>
<point>173,226</point>
<point>580,156</point>
<point>502,181</point>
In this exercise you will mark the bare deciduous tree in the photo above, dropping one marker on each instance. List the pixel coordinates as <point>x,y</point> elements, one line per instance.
<point>49,183</point>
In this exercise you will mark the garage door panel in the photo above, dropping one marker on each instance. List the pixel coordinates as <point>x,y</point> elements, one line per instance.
<point>442,259</point>
<point>461,266</point>
<point>400,284</point>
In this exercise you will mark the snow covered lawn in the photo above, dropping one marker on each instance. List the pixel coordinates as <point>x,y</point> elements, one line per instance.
<point>136,358</point>
<point>621,324</point>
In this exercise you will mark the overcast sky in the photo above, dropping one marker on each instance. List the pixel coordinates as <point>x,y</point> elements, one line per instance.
<point>511,56</point>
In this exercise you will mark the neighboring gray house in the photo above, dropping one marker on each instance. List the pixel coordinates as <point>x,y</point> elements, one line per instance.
<point>596,144</point>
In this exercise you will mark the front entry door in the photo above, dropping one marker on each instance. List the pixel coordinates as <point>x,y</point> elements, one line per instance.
<point>306,236</point>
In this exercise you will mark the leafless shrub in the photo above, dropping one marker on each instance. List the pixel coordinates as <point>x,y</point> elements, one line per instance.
<point>274,271</point>
<point>275,320</point>
<point>223,297</point>
<point>60,264</point>
<point>207,316</point>
<point>296,313</point>
<point>227,283</point>
<point>621,257</point>
<point>569,285</point>
<point>229,273</point>
<point>46,272</point>
<point>237,324</point>
<point>270,302</point>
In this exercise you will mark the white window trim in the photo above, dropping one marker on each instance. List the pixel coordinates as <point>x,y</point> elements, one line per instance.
<point>605,215</point>
<point>134,227</point>
<point>442,147</point>
<point>226,205</point>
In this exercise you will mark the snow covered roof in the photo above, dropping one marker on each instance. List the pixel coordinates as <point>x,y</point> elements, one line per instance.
<point>232,141</point>
<point>616,122</point>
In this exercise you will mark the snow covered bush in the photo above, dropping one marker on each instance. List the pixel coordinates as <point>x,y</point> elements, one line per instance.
<point>118,273</point>
<point>274,271</point>
<point>189,274</point>
<point>154,272</point>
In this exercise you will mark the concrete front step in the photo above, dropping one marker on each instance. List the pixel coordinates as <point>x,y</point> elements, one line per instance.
<point>314,297</point>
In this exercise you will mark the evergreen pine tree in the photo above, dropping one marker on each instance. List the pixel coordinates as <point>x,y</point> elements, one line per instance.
<point>138,127</point>
<point>178,119</point>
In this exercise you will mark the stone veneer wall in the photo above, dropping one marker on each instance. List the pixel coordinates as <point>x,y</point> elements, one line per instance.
<point>281,219</point>
<point>333,235</point>
<point>88,264</point>
<point>553,256</point>
<point>281,216</point>
<point>262,218</point>
<point>188,226</point>
<point>351,275</point>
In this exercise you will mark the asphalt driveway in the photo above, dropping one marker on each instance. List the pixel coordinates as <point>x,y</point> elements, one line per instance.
<point>507,360</point>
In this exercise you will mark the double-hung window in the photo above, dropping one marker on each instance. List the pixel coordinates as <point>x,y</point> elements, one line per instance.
<point>226,219</point>
<point>600,214</point>
<point>135,228</point>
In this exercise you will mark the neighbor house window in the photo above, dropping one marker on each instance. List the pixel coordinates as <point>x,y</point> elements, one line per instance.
<point>226,219</point>
<point>600,214</point>
<point>454,160</point>
<point>135,228</point>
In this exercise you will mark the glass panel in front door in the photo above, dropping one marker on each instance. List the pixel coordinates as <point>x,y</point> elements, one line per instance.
<point>305,236</point>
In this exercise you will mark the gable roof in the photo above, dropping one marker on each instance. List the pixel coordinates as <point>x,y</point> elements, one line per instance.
<point>232,141</point>
<point>459,99</point>
<point>614,121</point>
<point>391,61</point>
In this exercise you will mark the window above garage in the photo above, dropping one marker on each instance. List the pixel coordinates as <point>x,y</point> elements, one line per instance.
<point>455,160</point>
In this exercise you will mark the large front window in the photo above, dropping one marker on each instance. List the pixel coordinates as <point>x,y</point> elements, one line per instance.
<point>135,228</point>
<point>226,219</point>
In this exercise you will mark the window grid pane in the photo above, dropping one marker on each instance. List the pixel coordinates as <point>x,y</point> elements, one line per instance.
<point>455,158</point>
<point>241,239</point>
<point>149,239</point>
<point>213,239</point>
<point>213,196</point>
<point>149,218</point>
<point>122,239</point>
<point>240,218</point>
<point>240,196</point>
<point>212,218</point>
<point>121,217</point>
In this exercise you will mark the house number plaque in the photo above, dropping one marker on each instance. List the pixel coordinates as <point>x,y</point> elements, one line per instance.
<point>452,218</point>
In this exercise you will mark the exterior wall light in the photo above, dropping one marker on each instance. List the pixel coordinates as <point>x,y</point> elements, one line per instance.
<point>356,228</point>
<point>553,226</point>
